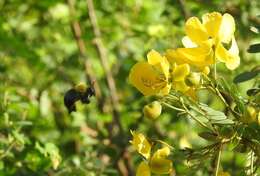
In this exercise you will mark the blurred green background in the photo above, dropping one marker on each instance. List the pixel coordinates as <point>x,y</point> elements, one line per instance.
<point>45,49</point>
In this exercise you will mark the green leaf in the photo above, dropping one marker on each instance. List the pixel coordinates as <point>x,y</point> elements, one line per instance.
<point>53,153</point>
<point>19,137</point>
<point>245,76</point>
<point>223,122</point>
<point>2,165</point>
<point>36,161</point>
<point>40,148</point>
<point>214,116</point>
<point>255,48</point>
<point>24,123</point>
<point>253,91</point>
<point>226,131</point>
<point>208,136</point>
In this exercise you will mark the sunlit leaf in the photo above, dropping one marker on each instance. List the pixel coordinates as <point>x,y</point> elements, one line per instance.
<point>208,136</point>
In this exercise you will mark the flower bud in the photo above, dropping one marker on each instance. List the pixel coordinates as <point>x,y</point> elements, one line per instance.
<point>152,110</point>
<point>258,118</point>
<point>193,79</point>
<point>250,115</point>
<point>206,70</point>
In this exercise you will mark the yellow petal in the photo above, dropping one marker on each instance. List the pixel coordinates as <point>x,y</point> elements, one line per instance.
<point>180,72</point>
<point>180,86</point>
<point>173,56</point>
<point>233,63</point>
<point>205,70</point>
<point>227,28</point>
<point>165,90</point>
<point>200,56</point>
<point>163,152</point>
<point>212,22</point>
<point>195,30</point>
<point>234,52</point>
<point>143,169</point>
<point>187,43</point>
<point>160,62</point>
<point>154,57</point>
<point>147,79</point>
<point>234,48</point>
<point>191,93</point>
<point>159,164</point>
<point>229,57</point>
<point>141,144</point>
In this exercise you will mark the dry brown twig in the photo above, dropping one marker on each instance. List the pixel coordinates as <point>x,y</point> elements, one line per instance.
<point>104,62</point>
<point>82,49</point>
<point>183,8</point>
<point>123,163</point>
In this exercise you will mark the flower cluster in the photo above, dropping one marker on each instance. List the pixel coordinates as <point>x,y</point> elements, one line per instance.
<point>182,70</point>
<point>206,43</point>
<point>157,162</point>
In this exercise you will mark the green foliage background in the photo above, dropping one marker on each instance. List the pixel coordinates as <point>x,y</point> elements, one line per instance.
<point>40,61</point>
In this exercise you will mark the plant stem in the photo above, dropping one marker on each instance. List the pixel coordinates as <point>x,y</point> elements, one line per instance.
<point>77,32</point>
<point>103,56</point>
<point>217,92</point>
<point>252,164</point>
<point>194,118</point>
<point>215,70</point>
<point>218,160</point>
<point>173,107</point>
<point>7,150</point>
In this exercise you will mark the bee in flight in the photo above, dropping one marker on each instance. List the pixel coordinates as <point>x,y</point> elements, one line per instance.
<point>79,92</point>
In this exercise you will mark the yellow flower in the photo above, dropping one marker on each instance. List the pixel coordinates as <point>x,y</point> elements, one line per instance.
<point>141,144</point>
<point>200,56</point>
<point>143,169</point>
<point>158,163</point>
<point>205,40</point>
<point>151,77</point>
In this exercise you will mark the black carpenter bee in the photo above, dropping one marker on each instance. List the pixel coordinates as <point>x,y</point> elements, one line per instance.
<point>79,92</point>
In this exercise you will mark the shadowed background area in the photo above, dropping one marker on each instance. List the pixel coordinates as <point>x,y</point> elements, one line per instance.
<point>47,47</point>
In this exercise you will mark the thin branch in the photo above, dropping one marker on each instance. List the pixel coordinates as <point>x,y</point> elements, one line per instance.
<point>183,9</point>
<point>5,153</point>
<point>172,107</point>
<point>194,117</point>
<point>104,62</point>
<point>82,49</point>
<point>218,160</point>
<point>252,163</point>
<point>102,52</point>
